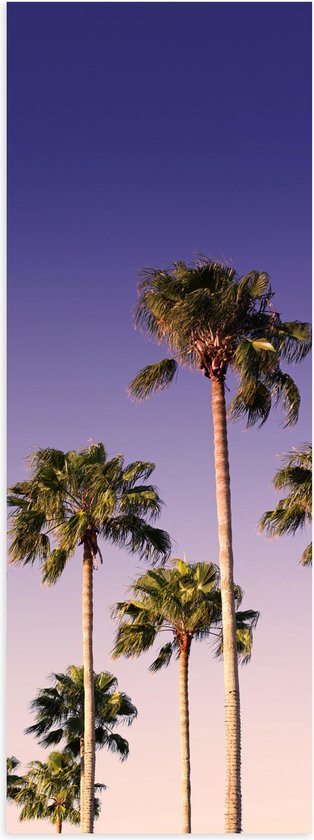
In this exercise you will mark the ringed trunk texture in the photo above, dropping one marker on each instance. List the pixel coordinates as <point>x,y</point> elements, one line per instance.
<point>59,826</point>
<point>87,826</point>
<point>82,791</point>
<point>231,677</point>
<point>185,735</point>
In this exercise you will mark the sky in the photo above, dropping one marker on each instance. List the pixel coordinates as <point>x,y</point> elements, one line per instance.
<point>140,134</point>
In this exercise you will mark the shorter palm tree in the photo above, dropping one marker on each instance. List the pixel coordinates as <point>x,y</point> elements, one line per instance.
<point>75,499</point>
<point>51,791</point>
<point>184,601</point>
<point>295,510</point>
<point>59,714</point>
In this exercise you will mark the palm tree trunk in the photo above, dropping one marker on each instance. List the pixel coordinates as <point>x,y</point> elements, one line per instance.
<point>232,695</point>
<point>59,825</point>
<point>82,775</point>
<point>185,735</point>
<point>87,826</point>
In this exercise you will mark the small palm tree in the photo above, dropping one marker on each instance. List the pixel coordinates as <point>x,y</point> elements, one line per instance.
<point>214,321</point>
<point>13,779</point>
<point>295,510</point>
<point>51,790</point>
<point>186,602</point>
<point>72,499</point>
<point>59,714</point>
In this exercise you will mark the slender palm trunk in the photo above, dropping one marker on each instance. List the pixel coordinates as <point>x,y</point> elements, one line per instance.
<point>232,695</point>
<point>59,826</point>
<point>82,791</point>
<point>185,734</point>
<point>87,826</point>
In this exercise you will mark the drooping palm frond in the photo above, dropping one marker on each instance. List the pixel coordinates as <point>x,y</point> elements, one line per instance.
<point>137,536</point>
<point>164,657</point>
<point>295,510</point>
<point>152,379</point>
<point>296,340</point>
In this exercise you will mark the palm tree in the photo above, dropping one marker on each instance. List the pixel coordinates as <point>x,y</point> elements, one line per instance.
<point>186,602</point>
<point>295,510</point>
<point>73,499</point>
<point>13,779</point>
<point>51,791</point>
<point>212,320</point>
<point>59,714</point>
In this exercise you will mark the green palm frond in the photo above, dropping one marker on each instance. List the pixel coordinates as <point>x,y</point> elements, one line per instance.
<point>152,379</point>
<point>252,401</point>
<point>163,659</point>
<point>118,745</point>
<point>137,471</point>
<point>306,557</point>
<point>296,340</point>
<point>286,392</point>
<point>295,510</point>
<point>283,520</point>
<point>14,781</point>
<point>54,565</point>
<point>137,536</point>
<point>133,639</point>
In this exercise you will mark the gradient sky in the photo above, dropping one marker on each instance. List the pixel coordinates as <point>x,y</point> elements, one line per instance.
<point>139,134</point>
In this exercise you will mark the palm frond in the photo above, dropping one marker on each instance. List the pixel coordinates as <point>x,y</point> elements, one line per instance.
<point>163,659</point>
<point>296,340</point>
<point>54,566</point>
<point>152,379</point>
<point>306,557</point>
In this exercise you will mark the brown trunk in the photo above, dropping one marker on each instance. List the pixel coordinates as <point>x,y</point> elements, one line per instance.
<point>87,826</point>
<point>232,695</point>
<point>82,791</point>
<point>59,825</point>
<point>185,735</point>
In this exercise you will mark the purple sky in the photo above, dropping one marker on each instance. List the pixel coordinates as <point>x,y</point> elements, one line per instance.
<point>139,134</point>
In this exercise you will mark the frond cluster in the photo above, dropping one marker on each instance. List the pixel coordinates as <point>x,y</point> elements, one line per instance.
<point>212,319</point>
<point>74,497</point>
<point>59,712</point>
<point>51,790</point>
<point>295,510</point>
<point>183,600</point>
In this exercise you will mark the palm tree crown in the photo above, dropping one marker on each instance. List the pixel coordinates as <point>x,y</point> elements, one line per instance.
<point>184,601</point>
<point>211,319</point>
<point>295,510</point>
<point>51,790</point>
<point>59,712</point>
<point>73,498</point>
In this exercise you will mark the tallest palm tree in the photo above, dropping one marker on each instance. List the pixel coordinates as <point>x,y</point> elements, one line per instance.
<point>212,320</point>
<point>72,499</point>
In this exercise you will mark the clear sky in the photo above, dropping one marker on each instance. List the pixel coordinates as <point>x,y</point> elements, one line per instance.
<point>138,134</point>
